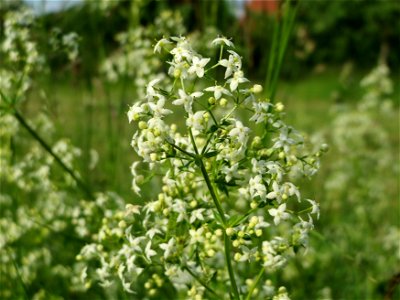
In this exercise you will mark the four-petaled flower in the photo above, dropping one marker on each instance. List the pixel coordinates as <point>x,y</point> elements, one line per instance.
<point>218,91</point>
<point>279,213</point>
<point>198,65</point>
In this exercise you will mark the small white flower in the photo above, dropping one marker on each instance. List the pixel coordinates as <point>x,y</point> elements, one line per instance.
<point>196,235</point>
<point>222,40</point>
<point>230,172</point>
<point>148,252</point>
<point>169,248</point>
<point>236,79</point>
<point>279,213</point>
<point>315,207</point>
<point>180,52</point>
<point>240,133</point>
<point>158,108</point>
<point>276,192</point>
<point>257,187</point>
<point>218,91</point>
<point>150,91</point>
<point>186,100</point>
<point>198,65</point>
<point>196,121</point>
<point>135,112</point>
<point>232,64</point>
<point>152,232</point>
<point>197,215</point>
<point>161,44</point>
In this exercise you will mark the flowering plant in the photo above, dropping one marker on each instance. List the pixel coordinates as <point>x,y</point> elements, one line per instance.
<point>226,210</point>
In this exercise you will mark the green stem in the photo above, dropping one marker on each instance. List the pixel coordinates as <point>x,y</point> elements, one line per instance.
<point>200,281</point>
<point>226,238</point>
<point>255,283</point>
<point>37,137</point>
<point>182,150</point>
<point>24,287</point>
<point>212,192</point>
<point>229,264</point>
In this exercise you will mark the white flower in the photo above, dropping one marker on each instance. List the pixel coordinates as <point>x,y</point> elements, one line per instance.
<point>180,52</point>
<point>233,64</point>
<point>152,232</point>
<point>196,121</point>
<point>196,235</point>
<point>186,100</point>
<point>198,65</point>
<point>169,248</point>
<point>179,206</point>
<point>260,112</point>
<point>276,192</point>
<point>148,252</point>
<point>236,79</point>
<point>135,178</point>
<point>158,108</point>
<point>150,91</point>
<point>257,187</point>
<point>230,172</point>
<point>275,168</point>
<point>222,40</point>
<point>161,44</point>
<point>240,132</point>
<point>279,213</point>
<point>197,215</point>
<point>315,207</point>
<point>135,112</point>
<point>284,141</point>
<point>178,69</point>
<point>218,91</point>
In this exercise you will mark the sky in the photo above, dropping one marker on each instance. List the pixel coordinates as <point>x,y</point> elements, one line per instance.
<point>41,6</point>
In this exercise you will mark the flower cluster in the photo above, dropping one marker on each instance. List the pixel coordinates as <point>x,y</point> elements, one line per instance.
<point>20,56</point>
<point>40,210</point>
<point>226,209</point>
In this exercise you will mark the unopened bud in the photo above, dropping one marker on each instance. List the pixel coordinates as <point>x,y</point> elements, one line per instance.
<point>279,106</point>
<point>229,231</point>
<point>223,102</point>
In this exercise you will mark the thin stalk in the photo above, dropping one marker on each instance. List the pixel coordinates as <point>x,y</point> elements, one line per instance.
<point>24,287</point>
<point>201,281</point>
<point>212,192</point>
<point>286,32</point>
<point>282,30</point>
<point>271,60</point>
<point>193,142</point>
<point>37,137</point>
<point>226,238</point>
<point>182,150</point>
<point>229,264</point>
<point>255,283</point>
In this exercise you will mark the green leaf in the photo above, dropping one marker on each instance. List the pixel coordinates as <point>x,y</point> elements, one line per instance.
<point>237,220</point>
<point>217,217</point>
<point>211,154</point>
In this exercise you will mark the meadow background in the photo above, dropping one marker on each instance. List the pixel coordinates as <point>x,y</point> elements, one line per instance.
<point>355,249</point>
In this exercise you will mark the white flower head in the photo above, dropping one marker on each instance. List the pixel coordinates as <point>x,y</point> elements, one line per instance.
<point>198,65</point>
<point>279,213</point>
<point>186,100</point>
<point>222,41</point>
<point>218,91</point>
<point>161,44</point>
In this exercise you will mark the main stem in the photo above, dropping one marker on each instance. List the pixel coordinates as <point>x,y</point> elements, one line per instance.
<point>227,242</point>
<point>80,183</point>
